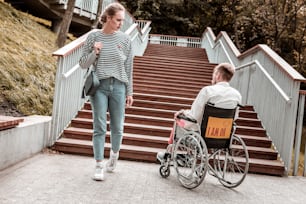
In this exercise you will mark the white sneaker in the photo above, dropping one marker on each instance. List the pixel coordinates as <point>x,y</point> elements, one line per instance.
<point>112,162</point>
<point>99,173</point>
<point>160,156</point>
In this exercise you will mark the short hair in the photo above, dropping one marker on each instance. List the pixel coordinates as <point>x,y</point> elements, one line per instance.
<point>110,10</point>
<point>226,70</point>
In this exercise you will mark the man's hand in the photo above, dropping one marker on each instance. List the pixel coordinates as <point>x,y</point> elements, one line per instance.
<point>178,113</point>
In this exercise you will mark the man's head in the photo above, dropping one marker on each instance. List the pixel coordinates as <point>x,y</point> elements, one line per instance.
<point>223,72</point>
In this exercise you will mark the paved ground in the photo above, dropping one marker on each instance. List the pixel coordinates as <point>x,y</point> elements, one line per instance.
<point>56,178</point>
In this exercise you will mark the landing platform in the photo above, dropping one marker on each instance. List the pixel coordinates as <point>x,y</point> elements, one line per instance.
<point>61,178</point>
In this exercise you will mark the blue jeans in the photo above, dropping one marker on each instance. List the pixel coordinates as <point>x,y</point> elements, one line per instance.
<point>111,97</point>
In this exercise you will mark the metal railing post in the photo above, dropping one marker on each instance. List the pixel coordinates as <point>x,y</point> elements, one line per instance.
<point>298,134</point>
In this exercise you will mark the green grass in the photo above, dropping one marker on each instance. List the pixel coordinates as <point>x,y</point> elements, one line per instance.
<point>27,68</point>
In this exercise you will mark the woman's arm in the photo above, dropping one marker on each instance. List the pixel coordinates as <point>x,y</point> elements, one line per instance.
<point>88,53</point>
<point>129,69</point>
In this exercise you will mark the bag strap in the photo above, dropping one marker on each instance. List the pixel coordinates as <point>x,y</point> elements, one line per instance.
<point>87,72</point>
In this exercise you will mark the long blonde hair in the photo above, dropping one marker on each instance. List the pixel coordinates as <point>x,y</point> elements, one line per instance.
<point>110,10</point>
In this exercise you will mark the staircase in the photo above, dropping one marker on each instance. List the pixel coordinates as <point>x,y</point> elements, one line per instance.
<point>166,79</point>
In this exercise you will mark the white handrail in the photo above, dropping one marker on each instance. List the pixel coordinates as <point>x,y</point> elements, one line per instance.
<point>71,71</point>
<point>226,53</point>
<point>278,88</point>
<point>131,28</point>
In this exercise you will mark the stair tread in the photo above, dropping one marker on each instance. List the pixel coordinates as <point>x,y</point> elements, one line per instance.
<point>90,131</point>
<point>140,108</point>
<point>182,78</point>
<point>123,147</point>
<point>164,62</point>
<point>148,126</point>
<point>266,162</point>
<point>147,137</point>
<point>176,60</point>
<point>161,103</point>
<point>90,120</point>
<point>172,80</point>
<point>79,130</point>
<point>153,109</point>
<point>162,96</point>
<point>166,83</point>
<point>250,128</point>
<point>261,149</point>
<point>248,119</point>
<point>254,137</point>
<point>147,117</point>
<point>247,111</point>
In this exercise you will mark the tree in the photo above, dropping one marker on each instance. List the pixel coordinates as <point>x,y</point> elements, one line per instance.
<point>65,24</point>
<point>278,23</point>
<point>96,23</point>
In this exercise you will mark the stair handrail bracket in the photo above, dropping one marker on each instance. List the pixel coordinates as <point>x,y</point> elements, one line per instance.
<point>67,99</point>
<point>268,83</point>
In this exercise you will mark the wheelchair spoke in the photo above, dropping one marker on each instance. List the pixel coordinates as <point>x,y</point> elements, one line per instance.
<point>189,162</point>
<point>231,165</point>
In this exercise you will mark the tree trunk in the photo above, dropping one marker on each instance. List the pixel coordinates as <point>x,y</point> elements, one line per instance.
<point>96,23</point>
<point>64,28</point>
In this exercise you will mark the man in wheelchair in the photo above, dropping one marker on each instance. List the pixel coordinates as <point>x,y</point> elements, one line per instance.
<point>220,93</point>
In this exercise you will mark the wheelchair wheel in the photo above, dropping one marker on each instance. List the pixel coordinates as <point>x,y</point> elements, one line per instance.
<point>231,165</point>
<point>190,160</point>
<point>164,171</point>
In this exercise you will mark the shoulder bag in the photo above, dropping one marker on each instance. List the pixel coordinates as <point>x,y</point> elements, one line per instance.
<point>91,83</point>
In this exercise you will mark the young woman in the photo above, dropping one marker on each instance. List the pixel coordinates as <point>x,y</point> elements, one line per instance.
<point>110,51</point>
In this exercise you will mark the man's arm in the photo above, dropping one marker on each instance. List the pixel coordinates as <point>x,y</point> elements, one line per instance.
<point>197,108</point>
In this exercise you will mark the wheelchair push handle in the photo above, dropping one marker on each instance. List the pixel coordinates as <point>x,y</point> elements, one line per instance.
<point>184,117</point>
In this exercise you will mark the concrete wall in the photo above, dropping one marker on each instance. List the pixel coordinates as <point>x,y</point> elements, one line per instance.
<point>21,142</point>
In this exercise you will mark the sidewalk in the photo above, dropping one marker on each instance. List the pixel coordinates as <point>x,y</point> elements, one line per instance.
<point>60,178</point>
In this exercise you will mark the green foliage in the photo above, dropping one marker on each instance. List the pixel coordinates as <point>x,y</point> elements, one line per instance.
<point>280,24</point>
<point>27,68</point>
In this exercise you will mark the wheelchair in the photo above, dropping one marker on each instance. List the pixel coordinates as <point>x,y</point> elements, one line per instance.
<point>217,150</point>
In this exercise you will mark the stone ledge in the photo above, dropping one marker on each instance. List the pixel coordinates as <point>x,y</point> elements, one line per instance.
<point>7,122</point>
<point>26,139</point>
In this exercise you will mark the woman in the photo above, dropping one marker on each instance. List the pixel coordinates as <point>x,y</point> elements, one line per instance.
<point>110,50</point>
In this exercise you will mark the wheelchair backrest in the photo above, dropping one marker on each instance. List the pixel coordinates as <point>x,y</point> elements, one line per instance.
<point>217,125</point>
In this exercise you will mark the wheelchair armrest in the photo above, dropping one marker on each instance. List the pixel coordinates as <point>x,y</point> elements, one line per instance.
<point>240,105</point>
<point>184,117</point>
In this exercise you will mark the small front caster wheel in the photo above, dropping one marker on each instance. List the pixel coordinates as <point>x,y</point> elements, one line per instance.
<point>164,171</point>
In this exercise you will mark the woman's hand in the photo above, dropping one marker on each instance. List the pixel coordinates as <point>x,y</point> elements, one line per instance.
<point>97,47</point>
<point>129,101</point>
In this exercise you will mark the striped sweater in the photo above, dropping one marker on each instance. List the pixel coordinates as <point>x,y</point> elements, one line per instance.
<point>115,58</point>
